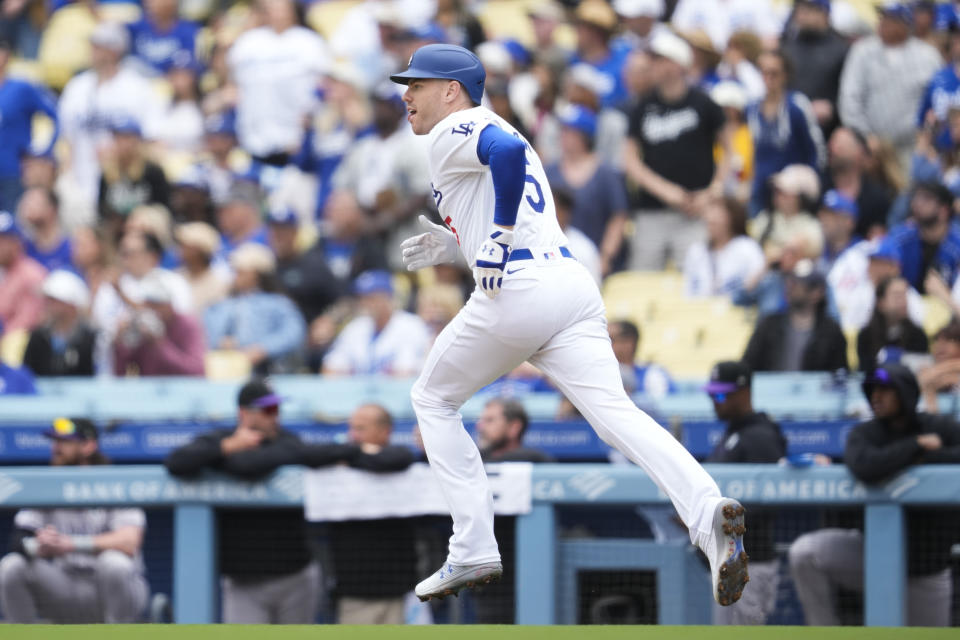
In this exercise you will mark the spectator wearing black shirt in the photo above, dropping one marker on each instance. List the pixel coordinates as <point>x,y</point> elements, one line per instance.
<point>895,439</point>
<point>803,338</point>
<point>268,574</point>
<point>374,561</point>
<point>890,328</point>
<point>63,344</point>
<point>500,430</point>
<point>750,437</point>
<point>816,53</point>
<point>303,276</point>
<point>669,156</point>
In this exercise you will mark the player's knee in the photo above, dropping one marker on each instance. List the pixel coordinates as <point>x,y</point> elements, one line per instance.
<point>114,565</point>
<point>425,400</point>
<point>13,568</point>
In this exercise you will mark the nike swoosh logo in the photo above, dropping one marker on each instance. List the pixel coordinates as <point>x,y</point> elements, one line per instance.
<point>515,270</point>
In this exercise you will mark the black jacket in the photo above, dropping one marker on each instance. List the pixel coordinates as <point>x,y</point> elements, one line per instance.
<point>75,360</point>
<point>755,438</point>
<point>817,59</point>
<point>309,282</point>
<point>375,558</point>
<point>904,335</point>
<point>257,543</point>
<point>877,450</point>
<point>826,351</point>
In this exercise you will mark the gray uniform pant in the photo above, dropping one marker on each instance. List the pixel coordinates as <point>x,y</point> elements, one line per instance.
<point>112,591</point>
<point>289,599</point>
<point>661,236</point>
<point>823,560</point>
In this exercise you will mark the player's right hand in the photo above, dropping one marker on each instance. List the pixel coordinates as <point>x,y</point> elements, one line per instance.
<point>437,246</point>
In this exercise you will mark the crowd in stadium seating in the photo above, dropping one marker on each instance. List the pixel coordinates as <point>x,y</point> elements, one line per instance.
<point>186,185</point>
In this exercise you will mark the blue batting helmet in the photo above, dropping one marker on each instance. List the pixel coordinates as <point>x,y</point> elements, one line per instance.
<point>446,61</point>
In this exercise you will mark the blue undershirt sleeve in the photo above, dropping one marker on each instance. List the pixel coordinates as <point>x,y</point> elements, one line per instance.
<point>506,156</point>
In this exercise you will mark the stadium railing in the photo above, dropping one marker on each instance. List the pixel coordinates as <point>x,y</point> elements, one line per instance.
<point>539,547</point>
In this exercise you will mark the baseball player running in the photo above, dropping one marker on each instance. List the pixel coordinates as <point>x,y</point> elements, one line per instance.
<point>533,302</point>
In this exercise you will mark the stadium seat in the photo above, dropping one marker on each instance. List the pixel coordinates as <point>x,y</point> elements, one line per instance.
<point>936,314</point>
<point>125,12</point>
<point>65,44</point>
<point>12,346</point>
<point>226,365</point>
<point>323,17</point>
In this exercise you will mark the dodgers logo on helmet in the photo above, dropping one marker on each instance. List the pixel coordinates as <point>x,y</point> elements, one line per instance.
<point>447,61</point>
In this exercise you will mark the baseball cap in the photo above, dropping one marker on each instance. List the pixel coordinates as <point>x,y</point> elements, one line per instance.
<point>885,251</point>
<point>806,272</point>
<point>111,35</point>
<point>519,53</point>
<point>370,282</point>
<point>257,394</point>
<point>839,202</point>
<point>72,429</point>
<point>221,124</point>
<point>729,94</point>
<point>798,179</point>
<point>898,11</point>
<point>729,376</point>
<point>672,47</point>
<point>936,189</point>
<point>639,8</point>
<point>283,216</point>
<point>125,125</point>
<point>590,78</point>
<point>9,226</point>
<point>253,257</point>
<point>66,287</point>
<point>199,235</point>
<point>579,118</point>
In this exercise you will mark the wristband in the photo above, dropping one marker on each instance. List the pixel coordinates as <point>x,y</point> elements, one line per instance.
<point>83,544</point>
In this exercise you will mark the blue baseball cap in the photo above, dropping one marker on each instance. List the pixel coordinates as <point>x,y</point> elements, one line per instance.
<point>8,225</point>
<point>447,61</point>
<point>836,201</point>
<point>897,10</point>
<point>221,123</point>
<point>579,118</point>
<point>885,250</point>
<point>370,282</point>
<point>283,216</point>
<point>517,52</point>
<point>125,125</point>
<point>946,18</point>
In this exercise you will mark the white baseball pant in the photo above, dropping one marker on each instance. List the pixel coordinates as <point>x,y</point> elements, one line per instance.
<point>550,313</point>
<point>113,590</point>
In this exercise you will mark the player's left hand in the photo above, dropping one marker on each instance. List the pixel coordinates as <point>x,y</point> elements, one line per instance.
<point>491,260</point>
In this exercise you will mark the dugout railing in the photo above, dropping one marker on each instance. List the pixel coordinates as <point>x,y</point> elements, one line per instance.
<point>540,549</point>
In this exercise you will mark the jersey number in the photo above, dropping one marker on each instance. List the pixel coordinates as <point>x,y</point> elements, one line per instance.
<point>540,203</point>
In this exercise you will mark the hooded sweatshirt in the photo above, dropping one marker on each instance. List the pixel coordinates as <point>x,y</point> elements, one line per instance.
<point>877,450</point>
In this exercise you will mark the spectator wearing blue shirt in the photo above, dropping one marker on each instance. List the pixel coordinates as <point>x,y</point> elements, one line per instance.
<point>595,23</point>
<point>928,244</point>
<point>600,197</point>
<point>943,91</point>
<point>263,324</point>
<point>46,243</point>
<point>784,129</point>
<point>649,379</point>
<point>157,37</point>
<point>19,102</point>
<point>15,380</point>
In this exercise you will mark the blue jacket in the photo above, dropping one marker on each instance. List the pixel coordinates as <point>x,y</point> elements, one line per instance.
<point>941,93</point>
<point>793,137</point>
<point>19,101</point>
<point>904,239</point>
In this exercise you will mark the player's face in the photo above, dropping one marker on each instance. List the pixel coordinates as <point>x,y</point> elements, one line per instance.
<point>885,402</point>
<point>68,452</point>
<point>424,100</point>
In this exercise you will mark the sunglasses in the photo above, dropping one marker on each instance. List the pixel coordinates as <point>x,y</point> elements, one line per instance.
<point>719,397</point>
<point>271,410</point>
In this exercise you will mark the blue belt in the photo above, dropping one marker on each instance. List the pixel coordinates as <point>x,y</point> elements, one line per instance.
<point>526,254</point>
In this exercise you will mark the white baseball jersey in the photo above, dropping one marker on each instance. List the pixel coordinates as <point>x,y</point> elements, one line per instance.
<point>87,522</point>
<point>463,186</point>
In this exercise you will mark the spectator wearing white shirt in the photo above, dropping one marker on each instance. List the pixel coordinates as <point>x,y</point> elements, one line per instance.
<point>276,68</point>
<point>383,340</point>
<point>728,259</point>
<point>720,18</point>
<point>92,100</point>
<point>181,126</point>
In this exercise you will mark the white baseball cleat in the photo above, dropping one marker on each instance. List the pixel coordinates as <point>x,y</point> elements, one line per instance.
<point>728,560</point>
<point>451,578</point>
